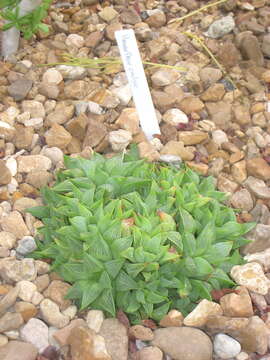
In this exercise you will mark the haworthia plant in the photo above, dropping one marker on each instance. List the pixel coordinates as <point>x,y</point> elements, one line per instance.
<point>137,236</point>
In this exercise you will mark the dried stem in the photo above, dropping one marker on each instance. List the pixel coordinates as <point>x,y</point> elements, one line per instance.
<point>203,8</point>
<point>103,63</point>
<point>200,41</point>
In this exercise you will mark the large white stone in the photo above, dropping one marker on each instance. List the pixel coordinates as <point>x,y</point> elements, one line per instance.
<point>251,276</point>
<point>226,347</point>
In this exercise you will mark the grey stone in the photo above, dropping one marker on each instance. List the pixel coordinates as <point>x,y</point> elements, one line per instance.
<point>221,27</point>
<point>20,88</point>
<point>26,245</point>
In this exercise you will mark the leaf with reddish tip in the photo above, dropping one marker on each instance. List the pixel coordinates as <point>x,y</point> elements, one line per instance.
<point>149,324</point>
<point>122,317</point>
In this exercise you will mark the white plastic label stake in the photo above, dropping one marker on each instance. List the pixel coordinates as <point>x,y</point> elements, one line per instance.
<point>133,66</point>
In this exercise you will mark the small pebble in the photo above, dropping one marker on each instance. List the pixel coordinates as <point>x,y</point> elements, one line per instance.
<point>226,347</point>
<point>26,245</point>
<point>221,27</point>
<point>170,159</point>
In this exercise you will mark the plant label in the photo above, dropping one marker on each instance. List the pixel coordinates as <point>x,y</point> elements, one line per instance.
<point>133,66</point>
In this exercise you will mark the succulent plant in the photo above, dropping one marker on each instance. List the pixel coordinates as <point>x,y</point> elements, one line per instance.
<point>137,236</point>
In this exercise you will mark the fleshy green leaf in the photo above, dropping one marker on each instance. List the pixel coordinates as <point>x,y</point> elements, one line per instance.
<point>39,211</point>
<point>190,266</point>
<point>203,267</point>
<point>187,222</point>
<point>222,278</point>
<point>159,312</point>
<point>90,293</point>
<point>176,239</point>
<point>218,252</point>
<point>99,248</point>
<point>105,281</point>
<point>206,185</point>
<point>189,244</point>
<point>80,223</point>
<point>205,239</point>
<point>153,266</point>
<point>91,264</point>
<point>128,254</point>
<point>132,304</point>
<point>125,282</point>
<point>153,244</point>
<point>139,254</point>
<point>64,186</point>
<point>140,296</point>
<point>134,269</point>
<point>113,267</point>
<point>154,298</point>
<point>106,302</point>
<point>201,288</point>
<point>72,272</point>
<point>121,244</point>
<point>148,309</point>
<point>233,229</point>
